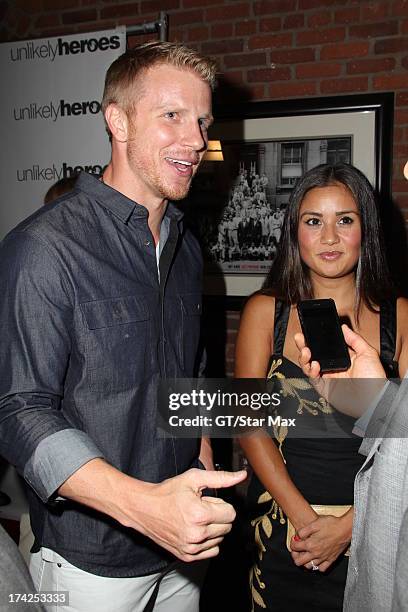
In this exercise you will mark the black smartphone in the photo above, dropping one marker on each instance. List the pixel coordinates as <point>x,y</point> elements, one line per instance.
<point>323,335</point>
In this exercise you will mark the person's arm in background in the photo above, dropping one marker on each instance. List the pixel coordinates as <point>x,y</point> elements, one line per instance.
<point>400,593</point>
<point>15,578</point>
<point>365,364</point>
<point>36,314</point>
<point>253,350</point>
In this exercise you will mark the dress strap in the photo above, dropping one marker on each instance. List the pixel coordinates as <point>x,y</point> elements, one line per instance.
<point>388,336</point>
<point>282,311</point>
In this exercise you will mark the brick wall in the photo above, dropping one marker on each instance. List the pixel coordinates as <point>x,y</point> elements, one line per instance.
<point>276,48</point>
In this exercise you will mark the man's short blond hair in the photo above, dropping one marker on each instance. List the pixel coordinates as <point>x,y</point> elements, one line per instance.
<point>120,81</point>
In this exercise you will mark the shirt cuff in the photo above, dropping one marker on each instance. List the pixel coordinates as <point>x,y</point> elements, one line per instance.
<point>360,426</point>
<point>56,458</point>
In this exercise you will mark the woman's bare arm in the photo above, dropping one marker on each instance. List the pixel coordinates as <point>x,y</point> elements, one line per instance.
<point>253,350</point>
<point>402,333</point>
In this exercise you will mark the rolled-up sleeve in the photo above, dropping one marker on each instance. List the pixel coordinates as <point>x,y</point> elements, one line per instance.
<point>36,318</point>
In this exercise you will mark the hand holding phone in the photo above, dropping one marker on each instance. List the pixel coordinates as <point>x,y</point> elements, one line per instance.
<point>323,334</point>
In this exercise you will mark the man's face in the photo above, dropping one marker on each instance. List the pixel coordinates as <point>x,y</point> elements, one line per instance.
<point>167,135</point>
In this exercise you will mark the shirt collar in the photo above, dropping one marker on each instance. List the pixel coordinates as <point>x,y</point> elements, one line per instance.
<point>116,202</point>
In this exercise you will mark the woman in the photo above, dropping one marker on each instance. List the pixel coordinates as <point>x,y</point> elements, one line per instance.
<point>331,247</point>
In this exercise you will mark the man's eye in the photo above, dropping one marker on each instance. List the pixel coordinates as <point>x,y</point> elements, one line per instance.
<point>203,124</point>
<point>171,115</point>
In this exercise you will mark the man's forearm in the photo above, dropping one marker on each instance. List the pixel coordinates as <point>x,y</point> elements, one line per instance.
<point>100,486</point>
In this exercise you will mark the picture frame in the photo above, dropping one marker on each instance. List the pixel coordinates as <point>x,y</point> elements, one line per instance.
<point>276,134</point>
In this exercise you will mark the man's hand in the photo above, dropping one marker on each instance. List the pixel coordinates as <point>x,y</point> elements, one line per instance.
<point>181,520</point>
<point>322,541</point>
<point>352,391</point>
<point>173,513</point>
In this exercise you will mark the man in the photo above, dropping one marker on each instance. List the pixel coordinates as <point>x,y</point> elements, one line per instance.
<point>244,229</point>
<point>376,577</point>
<point>101,298</point>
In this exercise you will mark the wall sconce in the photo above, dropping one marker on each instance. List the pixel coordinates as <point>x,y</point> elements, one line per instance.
<point>214,151</point>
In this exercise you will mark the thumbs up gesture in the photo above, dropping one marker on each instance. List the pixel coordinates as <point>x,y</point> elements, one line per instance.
<point>177,517</point>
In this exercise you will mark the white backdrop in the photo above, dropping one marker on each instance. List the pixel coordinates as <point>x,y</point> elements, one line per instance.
<point>51,122</point>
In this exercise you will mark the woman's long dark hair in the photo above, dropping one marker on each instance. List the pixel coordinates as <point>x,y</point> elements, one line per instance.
<point>289,278</point>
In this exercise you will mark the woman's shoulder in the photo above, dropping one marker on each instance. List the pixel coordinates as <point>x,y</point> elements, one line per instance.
<point>402,315</point>
<point>260,305</point>
<point>402,306</point>
<point>255,336</point>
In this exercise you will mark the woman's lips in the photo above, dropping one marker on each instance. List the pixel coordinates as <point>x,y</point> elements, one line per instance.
<point>330,255</point>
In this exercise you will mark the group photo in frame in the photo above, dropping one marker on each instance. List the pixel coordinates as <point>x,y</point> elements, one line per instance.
<point>236,205</point>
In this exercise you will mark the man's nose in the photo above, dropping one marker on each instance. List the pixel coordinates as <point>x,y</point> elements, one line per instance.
<point>195,136</point>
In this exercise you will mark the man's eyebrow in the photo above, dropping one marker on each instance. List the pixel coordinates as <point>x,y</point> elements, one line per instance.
<point>167,106</point>
<point>180,109</point>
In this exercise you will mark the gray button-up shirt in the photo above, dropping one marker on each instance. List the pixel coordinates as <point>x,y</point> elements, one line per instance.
<point>87,329</point>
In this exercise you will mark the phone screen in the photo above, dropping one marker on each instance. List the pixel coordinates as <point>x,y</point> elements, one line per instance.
<point>322,331</point>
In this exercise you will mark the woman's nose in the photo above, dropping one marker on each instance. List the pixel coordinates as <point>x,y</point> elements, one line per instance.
<point>329,234</point>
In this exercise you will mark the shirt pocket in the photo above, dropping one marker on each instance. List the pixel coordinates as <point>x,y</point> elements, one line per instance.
<point>191,326</point>
<point>116,342</point>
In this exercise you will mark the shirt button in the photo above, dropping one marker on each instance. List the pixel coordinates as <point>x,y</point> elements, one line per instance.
<point>147,242</point>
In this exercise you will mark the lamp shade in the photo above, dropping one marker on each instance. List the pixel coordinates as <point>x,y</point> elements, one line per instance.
<point>214,151</point>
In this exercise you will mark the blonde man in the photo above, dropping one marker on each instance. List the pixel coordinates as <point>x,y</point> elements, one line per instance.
<point>103,293</point>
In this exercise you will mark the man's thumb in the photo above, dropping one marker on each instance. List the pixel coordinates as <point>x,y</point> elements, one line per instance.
<point>218,480</point>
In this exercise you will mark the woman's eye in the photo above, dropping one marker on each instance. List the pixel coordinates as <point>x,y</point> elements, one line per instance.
<point>346,220</point>
<point>312,221</point>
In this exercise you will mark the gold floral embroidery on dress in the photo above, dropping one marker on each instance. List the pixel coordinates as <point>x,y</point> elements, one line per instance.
<point>263,523</point>
<point>290,387</point>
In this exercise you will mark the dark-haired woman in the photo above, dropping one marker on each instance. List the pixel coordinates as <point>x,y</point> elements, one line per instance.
<point>331,247</point>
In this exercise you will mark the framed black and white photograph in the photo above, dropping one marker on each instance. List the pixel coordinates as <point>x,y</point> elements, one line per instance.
<point>257,152</point>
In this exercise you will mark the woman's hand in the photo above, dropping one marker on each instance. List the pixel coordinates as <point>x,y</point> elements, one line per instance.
<point>322,541</point>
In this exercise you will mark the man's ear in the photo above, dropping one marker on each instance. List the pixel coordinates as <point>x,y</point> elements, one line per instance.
<point>117,121</point>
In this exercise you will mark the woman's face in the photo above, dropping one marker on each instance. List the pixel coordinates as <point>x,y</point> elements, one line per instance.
<point>329,231</point>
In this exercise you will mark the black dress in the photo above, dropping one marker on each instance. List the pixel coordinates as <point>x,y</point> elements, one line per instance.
<point>322,469</point>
